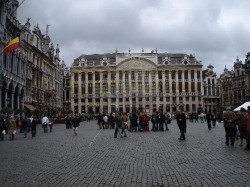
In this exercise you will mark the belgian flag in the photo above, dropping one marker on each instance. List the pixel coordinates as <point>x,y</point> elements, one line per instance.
<point>13,44</point>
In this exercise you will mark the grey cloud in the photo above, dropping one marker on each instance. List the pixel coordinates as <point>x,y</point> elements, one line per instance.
<point>200,27</point>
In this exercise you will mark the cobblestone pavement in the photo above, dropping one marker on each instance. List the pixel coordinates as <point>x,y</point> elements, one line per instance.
<point>95,158</point>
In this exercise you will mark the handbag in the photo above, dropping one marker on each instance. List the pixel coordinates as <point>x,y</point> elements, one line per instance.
<point>3,132</point>
<point>14,132</point>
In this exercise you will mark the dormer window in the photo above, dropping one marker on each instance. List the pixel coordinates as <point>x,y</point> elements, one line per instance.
<point>105,63</point>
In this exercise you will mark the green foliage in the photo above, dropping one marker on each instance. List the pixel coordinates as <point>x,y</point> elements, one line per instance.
<point>7,110</point>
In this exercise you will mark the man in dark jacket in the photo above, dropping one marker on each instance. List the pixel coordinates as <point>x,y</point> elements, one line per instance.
<point>181,121</point>
<point>209,118</point>
<point>229,118</point>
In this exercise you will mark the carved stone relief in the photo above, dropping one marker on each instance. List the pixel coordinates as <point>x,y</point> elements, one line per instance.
<point>136,64</point>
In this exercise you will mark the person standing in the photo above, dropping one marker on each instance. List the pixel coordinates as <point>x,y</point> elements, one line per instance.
<point>76,124</point>
<point>229,125</point>
<point>161,121</point>
<point>45,122</point>
<point>248,129</point>
<point>209,117</point>
<point>25,125</point>
<point>167,121</point>
<point>124,120</point>
<point>33,127</point>
<point>118,124</point>
<point>134,121</point>
<point>2,128</point>
<point>241,119</point>
<point>214,120</point>
<point>182,123</point>
<point>153,121</point>
<point>12,128</point>
<point>50,124</point>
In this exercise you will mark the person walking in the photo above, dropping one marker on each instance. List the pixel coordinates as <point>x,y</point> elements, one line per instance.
<point>118,125</point>
<point>2,128</point>
<point>33,127</point>
<point>153,121</point>
<point>167,121</point>
<point>50,124</point>
<point>209,117</point>
<point>76,124</point>
<point>161,121</point>
<point>25,124</point>
<point>12,128</point>
<point>248,129</point>
<point>214,119</point>
<point>241,118</point>
<point>124,120</point>
<point>45,122</point>
<point>182,123</point>
<point>229,118</point>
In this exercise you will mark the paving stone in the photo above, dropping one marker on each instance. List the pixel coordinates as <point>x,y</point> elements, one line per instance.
<point>95,158</point>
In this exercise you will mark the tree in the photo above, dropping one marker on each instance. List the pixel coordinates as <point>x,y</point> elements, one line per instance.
<point>7,110</point>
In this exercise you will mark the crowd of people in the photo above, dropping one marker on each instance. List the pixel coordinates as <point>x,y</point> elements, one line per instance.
<point>133,122</point>
<point>237,125</point>
<point>9,126</point>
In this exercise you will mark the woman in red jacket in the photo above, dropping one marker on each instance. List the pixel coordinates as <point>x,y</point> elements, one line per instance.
<point>248,129</point>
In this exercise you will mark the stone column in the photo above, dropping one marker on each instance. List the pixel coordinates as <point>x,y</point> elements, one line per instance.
<point>12,100</point>
<point>117,89</point>
<point>18,99</point>
<point>93,86</point>
<point>79,93</point>
<point>1,99</point>
<point>86,91</point>
<point>136,89</point>
<point>109,92</point>
<point>123,92</point>
<point>170,90</point>
<point>130,91</point>
<point>6,98</point>
<point>164,90</point>
<point>157,90</point>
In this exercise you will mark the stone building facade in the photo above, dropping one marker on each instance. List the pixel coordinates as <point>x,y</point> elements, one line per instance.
<point>225,82</point>
<point>142,81</point>
<point>211,95</point>
<point>238,83</point>
<point>30,76</point>
<point>66,87</point>
<point>234,85</point>
<point>44,77</point>
<point>12,65</point>
<point>247,68</point>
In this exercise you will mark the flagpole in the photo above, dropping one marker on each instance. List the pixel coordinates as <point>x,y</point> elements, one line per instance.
<point>17,8</point>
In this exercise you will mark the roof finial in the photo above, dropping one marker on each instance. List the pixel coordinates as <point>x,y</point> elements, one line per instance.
<point>47,30</point>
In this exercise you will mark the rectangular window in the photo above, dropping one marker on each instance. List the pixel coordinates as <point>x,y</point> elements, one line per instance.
<point>139,75</point>
<point>75,76</point>
<point>160,74</point>
<point>105,88</point>
<point>97,76</point>
<point>120,75</point>
<point>132,75</point>
<point>90,78</point>
<point>113,88</point>
<point>192,74</point>
<point>112,75</point>
<point>82,76</point>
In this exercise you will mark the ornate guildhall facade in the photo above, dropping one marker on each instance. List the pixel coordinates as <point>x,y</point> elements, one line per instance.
<point>145,81</point>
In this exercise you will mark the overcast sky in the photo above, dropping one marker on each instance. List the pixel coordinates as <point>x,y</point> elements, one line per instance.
<point>215,31</point>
